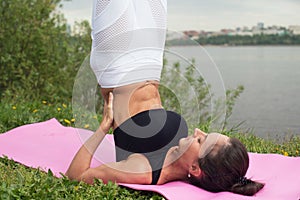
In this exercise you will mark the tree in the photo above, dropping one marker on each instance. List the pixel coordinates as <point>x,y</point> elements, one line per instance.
<point>37,52</point>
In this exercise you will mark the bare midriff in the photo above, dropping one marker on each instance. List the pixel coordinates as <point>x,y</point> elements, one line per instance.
<point>132,99</point>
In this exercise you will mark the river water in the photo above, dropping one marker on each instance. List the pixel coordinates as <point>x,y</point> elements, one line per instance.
<point>270,103</point>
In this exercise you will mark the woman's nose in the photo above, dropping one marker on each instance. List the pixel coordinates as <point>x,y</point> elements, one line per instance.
<point>198,132</point>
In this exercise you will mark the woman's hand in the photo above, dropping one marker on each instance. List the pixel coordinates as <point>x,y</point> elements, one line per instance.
<point>81,163</point>
<point>108,114</point>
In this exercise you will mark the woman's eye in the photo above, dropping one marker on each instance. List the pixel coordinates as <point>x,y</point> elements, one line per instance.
<point>199,140</point>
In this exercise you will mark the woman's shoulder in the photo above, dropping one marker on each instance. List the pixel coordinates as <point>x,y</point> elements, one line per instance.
<point>141,167</point>
<point>140,162</point>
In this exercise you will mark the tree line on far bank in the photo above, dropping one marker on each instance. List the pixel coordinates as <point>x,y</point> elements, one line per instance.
<point>261,39</point>
<point>240,40</point>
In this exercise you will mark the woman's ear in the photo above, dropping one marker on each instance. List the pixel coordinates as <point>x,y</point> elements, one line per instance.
<point>195,169</point>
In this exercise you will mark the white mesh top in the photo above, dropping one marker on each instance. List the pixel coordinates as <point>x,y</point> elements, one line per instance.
<point>128,41</point>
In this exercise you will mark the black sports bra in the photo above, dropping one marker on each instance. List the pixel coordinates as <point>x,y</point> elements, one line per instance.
<point>151,133</point>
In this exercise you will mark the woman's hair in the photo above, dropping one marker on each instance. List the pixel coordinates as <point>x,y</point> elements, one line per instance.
<point>225,171</point>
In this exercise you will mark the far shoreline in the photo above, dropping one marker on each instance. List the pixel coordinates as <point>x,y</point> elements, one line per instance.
<point>213,45</point>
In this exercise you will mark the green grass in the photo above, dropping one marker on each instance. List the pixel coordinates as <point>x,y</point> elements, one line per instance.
<point>17,114</point>
<point>20,182</point>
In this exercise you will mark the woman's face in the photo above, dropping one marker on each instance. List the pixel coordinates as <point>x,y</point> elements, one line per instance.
<point>200,144</point>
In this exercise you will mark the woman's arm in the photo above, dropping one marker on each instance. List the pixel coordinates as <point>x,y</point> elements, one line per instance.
<point>135,169</point>
<point>82,160</point>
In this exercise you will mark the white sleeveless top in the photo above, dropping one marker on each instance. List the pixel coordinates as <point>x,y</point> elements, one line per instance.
<point>128,41</point>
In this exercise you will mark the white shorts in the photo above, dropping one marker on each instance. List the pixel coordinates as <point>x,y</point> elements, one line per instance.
<point>128,41</point>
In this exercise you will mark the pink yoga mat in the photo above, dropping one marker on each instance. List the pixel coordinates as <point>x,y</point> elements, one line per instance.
<point>49,145</point>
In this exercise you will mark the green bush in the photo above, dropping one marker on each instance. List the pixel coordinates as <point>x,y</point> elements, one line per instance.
<point>189,94</point>
<point>39,55</point>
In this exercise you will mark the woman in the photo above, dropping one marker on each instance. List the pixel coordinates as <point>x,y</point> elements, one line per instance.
<point>152,146</point>
<point>211,161</point>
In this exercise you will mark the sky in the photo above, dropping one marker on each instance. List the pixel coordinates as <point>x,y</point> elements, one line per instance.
<point>210,15</point>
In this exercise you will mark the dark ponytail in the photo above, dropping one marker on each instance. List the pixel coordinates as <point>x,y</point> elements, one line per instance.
<point>225,171</point>
<point>246,187</point>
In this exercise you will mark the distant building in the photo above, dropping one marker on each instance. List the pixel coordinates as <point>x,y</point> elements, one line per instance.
<point>226,31</point>
<point>260,25</point>
<point>203,33</point>
<point>258,29</point>
<point>192,34</point>
<point>273,30</point>
<point>295,29</point>
<point>242,33</point>
<point>246,29</point>
<point>176,36</point>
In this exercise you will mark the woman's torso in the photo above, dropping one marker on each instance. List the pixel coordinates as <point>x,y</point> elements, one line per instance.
<point>132,99</point>
<point>150,133</point>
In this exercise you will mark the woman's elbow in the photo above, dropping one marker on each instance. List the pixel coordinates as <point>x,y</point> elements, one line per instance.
<point>88,176</point>
<point>73,175</point>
